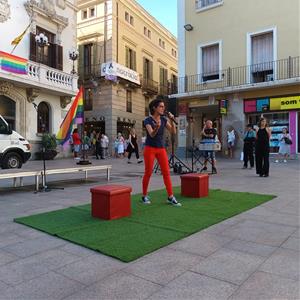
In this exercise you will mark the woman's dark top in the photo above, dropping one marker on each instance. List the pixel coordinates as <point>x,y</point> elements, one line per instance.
<point>157,140</point>
<point>133,142</point>
<point>209,131</point>
<point>262,140</point>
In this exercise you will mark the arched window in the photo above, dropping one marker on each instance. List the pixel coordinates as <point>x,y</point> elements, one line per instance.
<point>43,122</point>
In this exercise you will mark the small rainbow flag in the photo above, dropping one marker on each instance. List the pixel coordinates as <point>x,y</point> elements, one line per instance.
<point>13,64</point>
<point>74,116</point>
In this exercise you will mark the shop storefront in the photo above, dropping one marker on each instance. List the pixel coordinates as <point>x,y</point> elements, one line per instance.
<point>281,112</point>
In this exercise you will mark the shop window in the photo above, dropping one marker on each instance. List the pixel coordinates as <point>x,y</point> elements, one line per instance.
<point>43,120</point>
<point>129,101</point>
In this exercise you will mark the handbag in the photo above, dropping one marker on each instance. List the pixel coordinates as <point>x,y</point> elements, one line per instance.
<point>288,141</point>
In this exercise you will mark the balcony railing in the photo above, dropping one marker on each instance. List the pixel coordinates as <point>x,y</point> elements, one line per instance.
<point>150,86</point>
<point>200,4</point>
<point>251,75</point>
<point>42,76</point>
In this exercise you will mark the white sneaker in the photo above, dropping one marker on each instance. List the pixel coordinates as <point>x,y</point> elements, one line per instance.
<point>277,161</point>
<point>146,200</point>
<point>284,161</point>
<point>172,200</point>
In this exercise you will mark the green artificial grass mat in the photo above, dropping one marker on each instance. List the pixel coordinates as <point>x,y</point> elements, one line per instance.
<point>149,227</point>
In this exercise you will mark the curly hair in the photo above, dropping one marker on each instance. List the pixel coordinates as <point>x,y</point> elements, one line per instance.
<point>154,104</point>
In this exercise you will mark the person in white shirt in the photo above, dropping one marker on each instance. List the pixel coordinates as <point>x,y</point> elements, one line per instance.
<point>285,141</point>
<point>230,142</point>
<point>104,142</point>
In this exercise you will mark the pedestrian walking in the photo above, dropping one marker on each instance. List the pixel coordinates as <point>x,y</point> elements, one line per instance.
<point>133,146</point>
<point>248,149</point>
<point>104,141</point>
<point>230,141</point>
<point>98,145</point>
<point>285,141</point>
<point>262,148</point>
<point>76,143</point>
<point>121,145</point>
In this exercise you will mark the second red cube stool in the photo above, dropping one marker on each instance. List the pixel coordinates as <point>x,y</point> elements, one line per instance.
<point>194,185</point>
<point>111,201</point>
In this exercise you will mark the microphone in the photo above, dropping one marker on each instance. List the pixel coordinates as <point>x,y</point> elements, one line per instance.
<point>167,114</point>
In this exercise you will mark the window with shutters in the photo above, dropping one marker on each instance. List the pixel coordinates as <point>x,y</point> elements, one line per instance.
<point>163,80</point>
<point>87,58</point>
<point>127,17</point>
<point>88,99</point>
<point>43,120</point>
<point>161,43</point>
<point>128,101</point>
<point>209,59</point>
<point>262,58</point>
<point>50,55</point>
<point>147,101</point>
<point>130,58</point>
<point>147,69</point>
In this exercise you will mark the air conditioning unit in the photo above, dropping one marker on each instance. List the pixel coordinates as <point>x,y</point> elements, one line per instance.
<point>270,77</point>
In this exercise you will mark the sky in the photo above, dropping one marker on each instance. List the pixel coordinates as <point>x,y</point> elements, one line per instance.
<point>165,11</point>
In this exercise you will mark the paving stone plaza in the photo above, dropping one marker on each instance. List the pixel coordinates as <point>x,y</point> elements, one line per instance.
<point>254,255</point>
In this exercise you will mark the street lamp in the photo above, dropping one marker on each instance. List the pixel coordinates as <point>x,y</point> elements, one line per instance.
<point>41,40</point>
<point>73,55</point>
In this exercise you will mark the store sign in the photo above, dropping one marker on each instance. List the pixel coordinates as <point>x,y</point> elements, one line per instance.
<point>113,70</point>
<point>285,103</point>
<point>262,105</point>
<point>249,106</point>
<point>223,107</point>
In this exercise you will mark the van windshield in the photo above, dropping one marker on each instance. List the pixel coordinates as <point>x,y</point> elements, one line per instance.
<point>3,127</point>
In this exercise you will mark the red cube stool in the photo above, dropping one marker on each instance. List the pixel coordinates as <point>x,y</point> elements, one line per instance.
<point>194,185</point>
<point>111,201</point>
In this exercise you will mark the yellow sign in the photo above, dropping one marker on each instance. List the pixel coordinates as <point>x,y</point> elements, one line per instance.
<point>285,103</point>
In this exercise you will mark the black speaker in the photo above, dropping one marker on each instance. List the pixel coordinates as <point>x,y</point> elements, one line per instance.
<point>172,106</point>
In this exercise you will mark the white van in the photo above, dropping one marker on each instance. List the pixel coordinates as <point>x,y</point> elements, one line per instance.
<point>14,149</point>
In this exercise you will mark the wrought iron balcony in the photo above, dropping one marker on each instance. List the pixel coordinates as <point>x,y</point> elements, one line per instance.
<point>243,77</point>
<point>149,86</point>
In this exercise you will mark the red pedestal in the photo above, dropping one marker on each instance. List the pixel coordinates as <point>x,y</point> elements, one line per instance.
<point>194,185</point>
<point>111,201</point>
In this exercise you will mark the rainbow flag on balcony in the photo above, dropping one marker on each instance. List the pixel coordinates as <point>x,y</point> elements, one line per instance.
<point>74,116</point>
<point>13,64</point>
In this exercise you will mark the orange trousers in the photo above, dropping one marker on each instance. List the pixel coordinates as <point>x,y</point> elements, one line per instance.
<point>150,153</point>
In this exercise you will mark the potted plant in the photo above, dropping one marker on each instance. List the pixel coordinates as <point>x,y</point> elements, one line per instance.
<point>48,145</point>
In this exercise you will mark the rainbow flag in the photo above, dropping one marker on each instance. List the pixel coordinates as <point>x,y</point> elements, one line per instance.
<point>74,116</point>
<point>13,64</point>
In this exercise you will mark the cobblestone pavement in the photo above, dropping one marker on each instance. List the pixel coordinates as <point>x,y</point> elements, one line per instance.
<point>254,255</point>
